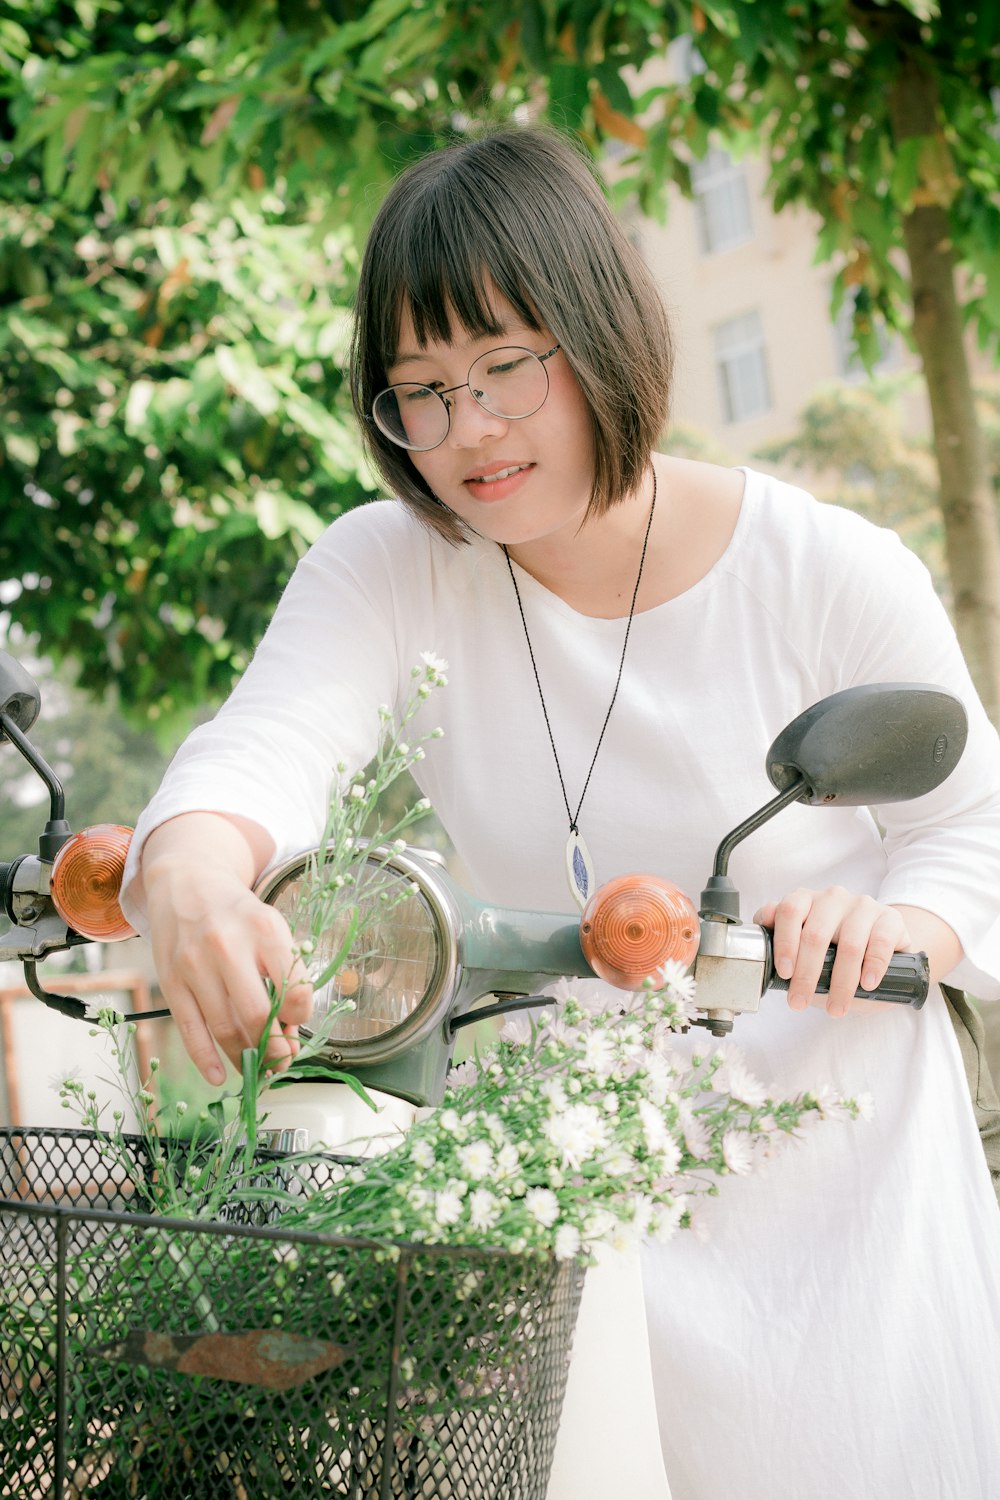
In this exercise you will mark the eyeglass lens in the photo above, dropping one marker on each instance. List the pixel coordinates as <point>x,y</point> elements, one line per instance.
<point>509,383</point>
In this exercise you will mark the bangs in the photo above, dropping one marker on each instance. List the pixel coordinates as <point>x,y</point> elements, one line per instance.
<point>451,258</point>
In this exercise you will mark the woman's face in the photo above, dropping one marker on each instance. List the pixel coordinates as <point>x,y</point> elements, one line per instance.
<point>512,481</point>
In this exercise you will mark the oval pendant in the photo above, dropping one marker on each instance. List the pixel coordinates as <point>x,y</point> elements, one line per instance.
<point>579,869</point>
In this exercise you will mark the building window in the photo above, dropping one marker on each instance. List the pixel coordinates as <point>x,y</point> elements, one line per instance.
<point>742,367</point>
<point>722,202</point>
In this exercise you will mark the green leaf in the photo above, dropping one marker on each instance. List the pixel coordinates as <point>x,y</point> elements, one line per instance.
<point>171,162</point>
<point>351,35</point>
<point>614,88</point>
<point>533,35</point>
<point>706,104</point>
<point>239,368</point>
<point>279,515</point>
<point>54,163</point>
<point>569,94</point>
<point>585,13</point>
<point>321,1071</point>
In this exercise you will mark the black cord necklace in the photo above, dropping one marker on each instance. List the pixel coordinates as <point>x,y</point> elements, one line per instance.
<point>579,865</point>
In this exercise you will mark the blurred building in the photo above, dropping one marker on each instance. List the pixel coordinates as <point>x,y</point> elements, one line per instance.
<point>750,307</point>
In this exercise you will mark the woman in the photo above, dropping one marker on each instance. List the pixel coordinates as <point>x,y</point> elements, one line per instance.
<point>626,633</point>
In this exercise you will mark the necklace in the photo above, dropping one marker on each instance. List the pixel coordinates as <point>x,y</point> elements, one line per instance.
<point>579,865</point>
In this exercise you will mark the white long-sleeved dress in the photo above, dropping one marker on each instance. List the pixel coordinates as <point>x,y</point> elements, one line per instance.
<point>835,1332</point>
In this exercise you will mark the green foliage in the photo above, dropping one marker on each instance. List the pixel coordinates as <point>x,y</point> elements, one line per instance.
<point>175,433</point>
<point>174,423</point>
<point>183,191</point>
<point>811,82</point>
<point>855,445</point>
<point>853,448</point>
<point>109,767</point>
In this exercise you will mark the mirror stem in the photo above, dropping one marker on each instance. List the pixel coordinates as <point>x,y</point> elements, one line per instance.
<point>57,799</point>
<point>794,793</point>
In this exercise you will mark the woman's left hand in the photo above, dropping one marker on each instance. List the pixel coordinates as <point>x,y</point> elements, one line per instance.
<point>806,922</point>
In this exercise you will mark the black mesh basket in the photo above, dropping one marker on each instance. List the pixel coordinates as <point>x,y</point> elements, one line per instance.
<point>169,1359</point>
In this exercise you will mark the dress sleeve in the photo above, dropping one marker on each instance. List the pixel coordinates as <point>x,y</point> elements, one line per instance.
<point>888,625</point>
<point>307,703</point>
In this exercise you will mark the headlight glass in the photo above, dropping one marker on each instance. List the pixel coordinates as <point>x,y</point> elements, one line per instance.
<point>391,963</point>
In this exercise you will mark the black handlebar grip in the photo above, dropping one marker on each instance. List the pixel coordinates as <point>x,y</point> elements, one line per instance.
<point>906,981</point>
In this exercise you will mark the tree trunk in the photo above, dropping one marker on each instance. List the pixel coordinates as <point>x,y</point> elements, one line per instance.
<point>971,523</point>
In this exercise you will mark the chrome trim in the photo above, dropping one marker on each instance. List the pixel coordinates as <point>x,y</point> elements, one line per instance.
<point>433,1009</point>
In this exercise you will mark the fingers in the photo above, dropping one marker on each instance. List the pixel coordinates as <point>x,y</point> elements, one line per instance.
<point>195,1035</point>
<point>806,922</point>
<point>213,977</point>
<point>288,975</point>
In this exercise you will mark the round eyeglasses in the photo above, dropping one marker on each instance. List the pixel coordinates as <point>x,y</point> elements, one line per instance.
<point>510,382</point>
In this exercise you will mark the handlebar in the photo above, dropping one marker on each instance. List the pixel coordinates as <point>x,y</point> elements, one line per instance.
<point>906,981</point>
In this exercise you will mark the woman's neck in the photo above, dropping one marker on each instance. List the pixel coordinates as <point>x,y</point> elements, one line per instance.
<point>594,568</point>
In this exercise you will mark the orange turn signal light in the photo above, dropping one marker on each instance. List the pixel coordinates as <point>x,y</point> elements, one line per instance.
<point>631,927</point>
<point>87,880</point>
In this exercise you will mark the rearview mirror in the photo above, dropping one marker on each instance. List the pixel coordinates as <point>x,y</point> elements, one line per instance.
<point>20,699</point>
<point>882,742</point>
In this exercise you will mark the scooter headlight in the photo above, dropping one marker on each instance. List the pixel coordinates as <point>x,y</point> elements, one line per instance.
<point>397,966</point>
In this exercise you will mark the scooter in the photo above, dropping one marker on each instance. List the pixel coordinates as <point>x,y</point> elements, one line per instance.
<point>439,953</point>
<point>438,961</point>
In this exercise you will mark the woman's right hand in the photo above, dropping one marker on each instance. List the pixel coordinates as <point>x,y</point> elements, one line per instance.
<point>214,943</point>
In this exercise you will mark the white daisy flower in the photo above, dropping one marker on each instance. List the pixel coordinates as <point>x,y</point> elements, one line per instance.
<point>552,1090</point>
<point>447,1206</point>
<point>735,1078</point>
<point>598,1053</point>
<point>737,1152</point>
<point>599,1225</point>
<point>654,1126</point>
<point>422,1154</point>
<point>484,1209</point>
<point>463,1074</point>
<point>507,1160</point>
<point>567,1242</point>
<point>476,1160</point>
<point>666,1220</point>
<point>578,1134</point>
<point>697,1136</point>
<point>642,1212</point>
<point>831,1104</point>
<point>675,977</point>
<point>517,1028</point>
<point>543,1206</point>
<point>658,1078</point>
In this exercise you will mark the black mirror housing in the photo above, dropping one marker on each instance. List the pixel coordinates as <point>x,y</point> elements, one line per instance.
<point>881,742</point>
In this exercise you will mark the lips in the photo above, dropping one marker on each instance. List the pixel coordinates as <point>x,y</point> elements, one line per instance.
<point>493,473</point>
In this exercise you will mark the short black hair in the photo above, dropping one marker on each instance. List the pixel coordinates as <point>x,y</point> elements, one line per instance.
<point>519,212</point>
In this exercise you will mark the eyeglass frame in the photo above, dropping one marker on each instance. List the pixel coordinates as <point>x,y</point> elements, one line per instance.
<point>463,385</point>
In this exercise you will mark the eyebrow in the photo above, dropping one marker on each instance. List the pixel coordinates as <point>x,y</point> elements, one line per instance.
<point>408,359</point>
<point>506,332</point>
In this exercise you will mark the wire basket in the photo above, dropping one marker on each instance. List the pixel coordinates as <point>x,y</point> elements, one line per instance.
<point>150,1357</point>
